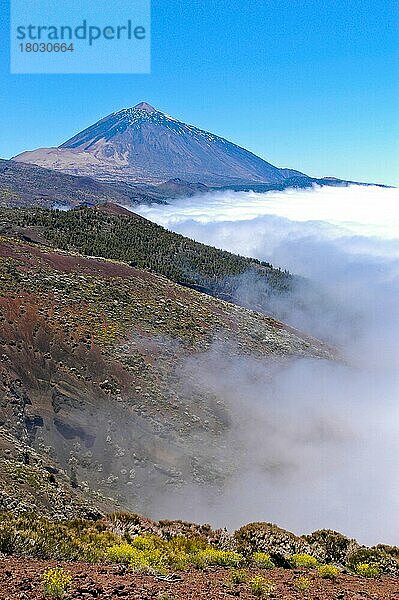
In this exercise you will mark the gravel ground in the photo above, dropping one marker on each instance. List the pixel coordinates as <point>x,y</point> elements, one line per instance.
<point>20,579</point>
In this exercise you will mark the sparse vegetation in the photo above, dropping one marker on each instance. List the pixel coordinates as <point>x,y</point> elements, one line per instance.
<point>94,542</point>
<point>31,535</point>
<point>145,545</point>
<point>122,554</point>
<point>270,539</point>
<point>94,327</point>
<point>56,582</point>
<point>146,553</point>
<point>303,560</point>
<point>238,576</point>
<point>368,570</point>
<point>161,548</point>
<point>148,246</point>
<point>262,560</point>
<point>328,572</point>
<point>303,584</point>
<point>261,587</point>
<point>385,558</point>
<point>213,556</point>
<point>334,547</point>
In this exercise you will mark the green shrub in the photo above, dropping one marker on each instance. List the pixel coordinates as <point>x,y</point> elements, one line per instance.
<point>8,539</point>
<point>332,546</point>
<point>154,553</point>
<point>56,582</point>
<point>387,562</point>
<point>181,551</point>
<point>29,535</point>
<point>303,560</point>
<point>328,572</point>
<point>122,554</point>
<point>142,542</point>
<point>179,560</point>
<point>213,556</point>
<point>262,560</point>
<point>189,545</point>
<point>368,570</point>
<point>155,560</point>
<point>138,560</point>
<point>261,587</point>
<point>266,537</point>
<point>389,550</point>
<point>238,576</point>
<point>303,584</point>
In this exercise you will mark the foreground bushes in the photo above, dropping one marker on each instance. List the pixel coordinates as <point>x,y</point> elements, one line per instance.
<point>56,583</point>
<point>333,547</point>
<point>261,587</point>
<point>222,558</point>
<point>303,560</point>
<point>367,570</point>
<point>149,546</point>
<point>41,538</point>
<point>270,539</point>
<point>153,553</point>
<point>262,560</point>
<point>328,572</point>
<point>378,558</point>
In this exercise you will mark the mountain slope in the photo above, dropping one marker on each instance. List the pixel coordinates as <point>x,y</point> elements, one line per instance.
<point>92,361</point>
<point>23,185</point>
<point>144,144</point>
<point>113,232</point>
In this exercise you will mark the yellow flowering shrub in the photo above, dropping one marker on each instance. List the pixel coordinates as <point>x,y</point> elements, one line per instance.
<point>56,582</point>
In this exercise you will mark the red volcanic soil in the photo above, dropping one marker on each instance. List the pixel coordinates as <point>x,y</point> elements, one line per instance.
<point>20,579</point>
<point>66,262</point>
<point>111,208</point>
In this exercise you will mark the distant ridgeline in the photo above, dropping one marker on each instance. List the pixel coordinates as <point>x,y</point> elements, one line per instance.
<point>143,244</point>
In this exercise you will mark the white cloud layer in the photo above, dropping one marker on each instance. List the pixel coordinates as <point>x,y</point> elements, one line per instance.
<point>315,444</point>
<point>356,210</point>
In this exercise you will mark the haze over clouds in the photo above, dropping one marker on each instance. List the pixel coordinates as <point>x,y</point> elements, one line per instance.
<point>367,210</point>
<point>315,444</point>
<point>345,241</point>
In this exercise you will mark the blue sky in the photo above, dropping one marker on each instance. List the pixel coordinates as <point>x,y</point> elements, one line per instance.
<point>305,84</point>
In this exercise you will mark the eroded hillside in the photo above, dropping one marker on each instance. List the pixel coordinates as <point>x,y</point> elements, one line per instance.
<point>93,391</point>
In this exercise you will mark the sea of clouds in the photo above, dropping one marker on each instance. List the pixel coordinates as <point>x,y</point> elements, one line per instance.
<point>315,443</point>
